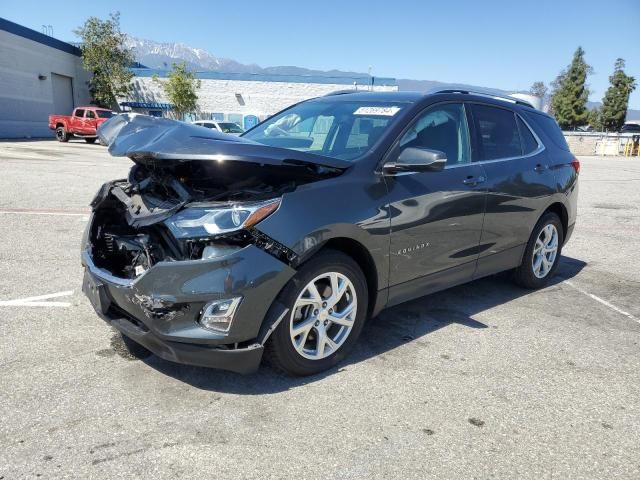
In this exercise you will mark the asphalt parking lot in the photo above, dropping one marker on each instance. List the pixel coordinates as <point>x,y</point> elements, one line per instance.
<point>481,381</point>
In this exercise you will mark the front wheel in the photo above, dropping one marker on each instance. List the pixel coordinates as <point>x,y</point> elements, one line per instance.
<point>542,254</point>
<point>327,301</point>
<point>62,135</point>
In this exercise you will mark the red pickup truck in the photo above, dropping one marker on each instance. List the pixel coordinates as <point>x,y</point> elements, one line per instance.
<point>83,123</point>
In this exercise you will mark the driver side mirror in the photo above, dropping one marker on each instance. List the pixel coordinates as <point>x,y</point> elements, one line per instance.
<point>414,159</point>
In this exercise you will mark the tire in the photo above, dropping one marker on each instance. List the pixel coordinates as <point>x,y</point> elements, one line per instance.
<point>527,275</point>
<point>90,140</point>
<point>134,349</point>
<point>62,135</point>
<point>321,269</point>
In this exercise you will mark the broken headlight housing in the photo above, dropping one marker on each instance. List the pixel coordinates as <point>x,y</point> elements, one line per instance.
<point>197,222</point>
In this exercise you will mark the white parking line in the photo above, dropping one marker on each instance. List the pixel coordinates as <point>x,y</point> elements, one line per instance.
<point>59,213</point>
<point>38,301</point>
<point>602,301</point>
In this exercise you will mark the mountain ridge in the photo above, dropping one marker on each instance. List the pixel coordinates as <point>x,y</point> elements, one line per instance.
<point>162,54</point>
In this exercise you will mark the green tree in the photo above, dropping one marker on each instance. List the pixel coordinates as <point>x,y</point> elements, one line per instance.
<point>180,88</point>
<point>616,98</point>
<point>105,55</point>
<point>594,118</point>
<point>538,89</point>
<point>570,93</point>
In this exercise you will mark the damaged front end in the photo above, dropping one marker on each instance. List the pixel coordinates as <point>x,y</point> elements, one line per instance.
<point>192,194</point>
<point>176,243</point>
<point>179,212</point>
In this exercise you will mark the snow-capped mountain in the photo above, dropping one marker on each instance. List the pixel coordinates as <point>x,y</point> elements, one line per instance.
<point>161,55</point>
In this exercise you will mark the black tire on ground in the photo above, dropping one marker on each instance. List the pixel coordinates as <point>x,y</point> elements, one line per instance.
<point>62,135</point>
<point>279,350</point>
<point>90,140</point>
<point>524,274</point>
<point>134,348</point>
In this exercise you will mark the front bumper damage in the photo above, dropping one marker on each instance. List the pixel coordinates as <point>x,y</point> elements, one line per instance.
<point>160,308</point>
<point>151,280</point>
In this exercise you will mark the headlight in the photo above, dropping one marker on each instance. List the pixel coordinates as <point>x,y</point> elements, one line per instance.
<point>206,221</point>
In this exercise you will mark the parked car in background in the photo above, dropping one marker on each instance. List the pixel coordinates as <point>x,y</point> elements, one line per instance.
<point>224,127</point>
<point>82,123</point>
<point>630,128</point>
<point>216,249</point>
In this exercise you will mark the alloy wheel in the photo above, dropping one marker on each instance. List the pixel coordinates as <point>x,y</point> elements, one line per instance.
<point>545,251</point>
<point>323,315</point>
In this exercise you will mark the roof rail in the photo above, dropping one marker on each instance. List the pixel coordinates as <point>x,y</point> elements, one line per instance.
<point>341,92</point>
<point>498,96</point>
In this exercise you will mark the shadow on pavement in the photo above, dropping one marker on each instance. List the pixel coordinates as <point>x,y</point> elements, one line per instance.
<point>393,327</point>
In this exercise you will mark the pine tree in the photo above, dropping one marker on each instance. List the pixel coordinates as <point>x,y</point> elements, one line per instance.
<point>595,118</point>
<point>570,93</point>
<point>616,99</point>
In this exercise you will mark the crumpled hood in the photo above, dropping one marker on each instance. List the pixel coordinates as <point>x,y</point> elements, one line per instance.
<point>142,137</point>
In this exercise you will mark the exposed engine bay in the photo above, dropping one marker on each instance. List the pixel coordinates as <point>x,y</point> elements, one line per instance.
<point>129,234</point>
<point>192,194</point>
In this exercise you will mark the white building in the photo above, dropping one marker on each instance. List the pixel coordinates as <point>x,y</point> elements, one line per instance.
<point>39,75</point>
<point>244,98</point>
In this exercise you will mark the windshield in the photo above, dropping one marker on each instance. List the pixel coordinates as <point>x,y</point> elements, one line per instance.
<point>228,127</point>
<point>338,129</point>
<point>104,113</point>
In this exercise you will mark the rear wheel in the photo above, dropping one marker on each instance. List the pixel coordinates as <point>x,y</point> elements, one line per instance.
<point>90,140</point>
<point>327,301</point>
<point>62,135</point>
<point>542,254</point>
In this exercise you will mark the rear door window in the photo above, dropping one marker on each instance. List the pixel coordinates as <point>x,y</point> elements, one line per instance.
<point>90,114</point>
<point>496,132</point>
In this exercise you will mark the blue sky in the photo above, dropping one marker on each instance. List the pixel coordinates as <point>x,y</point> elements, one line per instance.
<point>498,44</point>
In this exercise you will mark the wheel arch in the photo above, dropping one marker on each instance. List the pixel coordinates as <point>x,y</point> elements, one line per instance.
<point>559,209</point>
<point>359,253</point>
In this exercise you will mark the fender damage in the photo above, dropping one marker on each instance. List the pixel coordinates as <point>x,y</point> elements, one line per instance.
<point>177,166</point>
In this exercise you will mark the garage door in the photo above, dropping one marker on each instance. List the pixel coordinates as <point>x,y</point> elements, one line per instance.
<point>62,94</point>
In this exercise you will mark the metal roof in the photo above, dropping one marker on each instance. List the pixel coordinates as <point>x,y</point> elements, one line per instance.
<point>265,77</point>
<point>148,105</point>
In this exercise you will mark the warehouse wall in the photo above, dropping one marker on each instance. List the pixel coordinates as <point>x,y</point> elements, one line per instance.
<point>25,100</point>
<point>260,98</point>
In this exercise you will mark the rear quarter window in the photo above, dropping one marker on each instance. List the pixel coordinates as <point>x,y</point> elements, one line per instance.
<point>551,129</point>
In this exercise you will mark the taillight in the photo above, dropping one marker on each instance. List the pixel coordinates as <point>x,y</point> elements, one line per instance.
<point>576,165</point>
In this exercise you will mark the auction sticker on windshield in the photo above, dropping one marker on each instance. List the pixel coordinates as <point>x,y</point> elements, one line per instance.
<point>380,111</point>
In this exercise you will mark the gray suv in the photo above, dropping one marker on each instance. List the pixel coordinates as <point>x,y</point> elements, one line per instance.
<point>217,249</point>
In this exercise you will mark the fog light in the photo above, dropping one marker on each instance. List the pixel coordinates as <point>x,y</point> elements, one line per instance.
<point>218,315</point>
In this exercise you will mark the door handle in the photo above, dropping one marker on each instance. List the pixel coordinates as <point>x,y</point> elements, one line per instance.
<point>540,167</point>
<point>472,181</point>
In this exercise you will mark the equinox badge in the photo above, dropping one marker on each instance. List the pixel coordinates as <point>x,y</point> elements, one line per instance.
<point>419,246</point>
